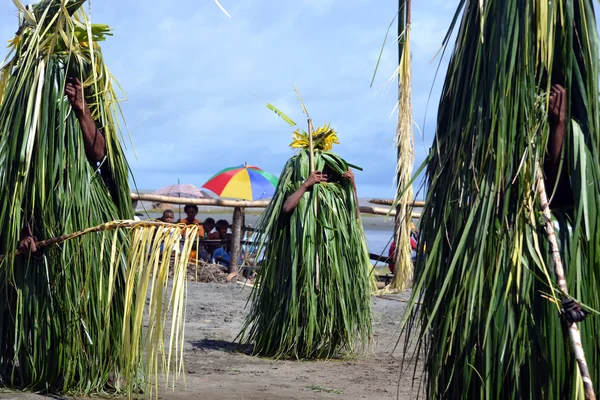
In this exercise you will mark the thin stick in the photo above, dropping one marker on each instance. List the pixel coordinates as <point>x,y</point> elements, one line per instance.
<point>311,149</point>
<point>310,130</point>
<point>312,168</point>
<point>311,156</point>
<point>104,227</point>
<point>562,283</point>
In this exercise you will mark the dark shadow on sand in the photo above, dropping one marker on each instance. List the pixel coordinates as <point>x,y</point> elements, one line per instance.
<point>222,345</point>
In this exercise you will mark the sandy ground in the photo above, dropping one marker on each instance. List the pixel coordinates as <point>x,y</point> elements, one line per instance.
<point>214,370</point>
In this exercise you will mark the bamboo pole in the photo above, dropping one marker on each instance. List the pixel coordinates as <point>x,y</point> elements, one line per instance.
<point>384,211</point>
<point>388,202</point>
<point>200,202</point>
<point>574,333</point>
<point>254,204</point>
<point>261,203</point>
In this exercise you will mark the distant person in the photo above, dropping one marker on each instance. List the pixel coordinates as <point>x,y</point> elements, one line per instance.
<point>219,233</point>
<point>208,225</point>
<point>221,228</point>
<point>191,210</point>
<point>168,216</point>
<point>413,251</point>
<point>222,255</point>
<point>207,249</point>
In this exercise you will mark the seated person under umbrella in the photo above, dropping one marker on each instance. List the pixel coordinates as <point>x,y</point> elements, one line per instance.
<point>219,233</point>
<point>222,255</point>
<point>191,210</point>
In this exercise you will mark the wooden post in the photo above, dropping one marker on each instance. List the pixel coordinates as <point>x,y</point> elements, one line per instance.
<point>236,241</point>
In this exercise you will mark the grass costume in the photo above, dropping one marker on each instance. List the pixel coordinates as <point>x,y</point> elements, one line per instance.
<point>314,284</point>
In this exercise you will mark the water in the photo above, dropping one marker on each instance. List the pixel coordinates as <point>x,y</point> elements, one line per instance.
<point>378,241</point>
<point>378,230</point>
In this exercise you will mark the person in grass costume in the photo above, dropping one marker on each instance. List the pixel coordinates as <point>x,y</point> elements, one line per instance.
<point>521,94</point>
<point>312,299</point>
<point>63,170</point>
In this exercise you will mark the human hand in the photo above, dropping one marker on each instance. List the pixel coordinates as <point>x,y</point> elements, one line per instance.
<point>74,92</point>
<point>349,175</point>
<point>27,243</point>
<point>557,108</point>
<point>315,177</point>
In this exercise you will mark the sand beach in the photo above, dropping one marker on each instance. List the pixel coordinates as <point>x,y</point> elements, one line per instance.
<point>215,369</point>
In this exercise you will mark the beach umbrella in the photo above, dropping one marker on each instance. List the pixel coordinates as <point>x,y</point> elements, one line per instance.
<point>243,182</point>
<point>185,190</point>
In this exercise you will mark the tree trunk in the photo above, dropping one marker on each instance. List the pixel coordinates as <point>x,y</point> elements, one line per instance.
<point>236,242</point>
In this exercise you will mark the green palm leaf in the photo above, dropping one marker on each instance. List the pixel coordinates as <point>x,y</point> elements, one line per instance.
<point>290,317</point>
<point>73,320</point>
<point>489,320</point>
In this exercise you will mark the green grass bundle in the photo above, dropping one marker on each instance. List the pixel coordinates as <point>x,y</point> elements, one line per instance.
<point>72,318</point>
<point>489,320</point>
<point>292,316</point>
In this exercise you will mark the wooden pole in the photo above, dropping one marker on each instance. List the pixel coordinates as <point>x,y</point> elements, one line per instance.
<point>388,202</point>
<point>236,241</point>
<point>200,202</point>
<point>574,334</point>
<point>384,211</point>
<point>261,203</point>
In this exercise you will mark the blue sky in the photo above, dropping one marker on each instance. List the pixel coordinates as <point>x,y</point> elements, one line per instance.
<point>197,81</point>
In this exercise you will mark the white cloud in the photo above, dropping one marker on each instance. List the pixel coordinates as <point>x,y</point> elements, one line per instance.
<point>197,81</point>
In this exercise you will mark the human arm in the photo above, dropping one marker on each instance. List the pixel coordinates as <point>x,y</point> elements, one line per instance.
<point>292,201</point>
<point>222,257</point>
<point>557,114</point>
<point>93,139</point>
<point>350,176</point>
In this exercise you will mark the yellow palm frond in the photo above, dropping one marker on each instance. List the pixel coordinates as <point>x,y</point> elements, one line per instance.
<point>323,138</point>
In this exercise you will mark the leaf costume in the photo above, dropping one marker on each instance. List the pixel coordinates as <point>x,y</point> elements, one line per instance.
<point>488,317</point>
<point>303,308</point>
<point>62,312</point>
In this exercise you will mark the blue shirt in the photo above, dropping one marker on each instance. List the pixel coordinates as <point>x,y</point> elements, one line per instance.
<point>225,257</point>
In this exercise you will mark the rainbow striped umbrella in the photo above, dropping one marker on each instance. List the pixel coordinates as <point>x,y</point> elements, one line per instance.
<point>243,182</point>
